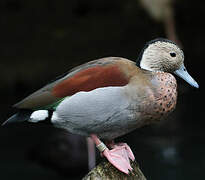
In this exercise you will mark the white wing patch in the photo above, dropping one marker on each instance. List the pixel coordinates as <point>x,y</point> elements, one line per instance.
<point>39,115</point>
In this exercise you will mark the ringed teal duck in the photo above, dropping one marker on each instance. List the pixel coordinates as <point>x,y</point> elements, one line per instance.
<point>109,97</point>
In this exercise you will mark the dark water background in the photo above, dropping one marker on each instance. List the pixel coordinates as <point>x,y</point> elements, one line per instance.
<point>41,39</point>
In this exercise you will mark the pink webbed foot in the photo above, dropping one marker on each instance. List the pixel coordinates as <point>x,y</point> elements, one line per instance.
<point>125,147</point>
<point>119,156</point>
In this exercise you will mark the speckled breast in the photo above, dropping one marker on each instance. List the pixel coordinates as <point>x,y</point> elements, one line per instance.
<point>163,97</point>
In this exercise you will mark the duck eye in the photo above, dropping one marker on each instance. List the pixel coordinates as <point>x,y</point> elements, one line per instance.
<point>172,54</point>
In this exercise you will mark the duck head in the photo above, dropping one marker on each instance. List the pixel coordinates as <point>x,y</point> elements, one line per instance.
<point>164,55</point>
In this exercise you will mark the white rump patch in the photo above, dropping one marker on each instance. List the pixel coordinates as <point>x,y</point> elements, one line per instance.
<point>39,115</point>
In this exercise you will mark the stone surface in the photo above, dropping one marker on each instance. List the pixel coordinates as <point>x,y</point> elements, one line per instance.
<point>106,171</point>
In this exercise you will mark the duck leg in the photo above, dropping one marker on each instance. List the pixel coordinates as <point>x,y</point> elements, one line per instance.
<point>118,156</point>
<point>91,153</point>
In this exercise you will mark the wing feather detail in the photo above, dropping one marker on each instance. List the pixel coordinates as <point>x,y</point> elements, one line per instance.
<point>86,77</point>
<point>89,79</point>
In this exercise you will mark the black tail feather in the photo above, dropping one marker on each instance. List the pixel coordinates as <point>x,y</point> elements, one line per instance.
<point>21,116</point>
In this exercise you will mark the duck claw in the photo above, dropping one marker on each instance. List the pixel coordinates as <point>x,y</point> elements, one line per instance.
<point>119,157</point>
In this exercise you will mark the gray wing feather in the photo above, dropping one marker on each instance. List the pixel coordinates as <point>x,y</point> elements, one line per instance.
<point>44,97</point>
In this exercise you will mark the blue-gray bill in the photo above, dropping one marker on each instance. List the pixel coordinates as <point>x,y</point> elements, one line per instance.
<point>182,73</point>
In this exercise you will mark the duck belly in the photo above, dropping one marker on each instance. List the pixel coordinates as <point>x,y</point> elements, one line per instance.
<point>103,111</point>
